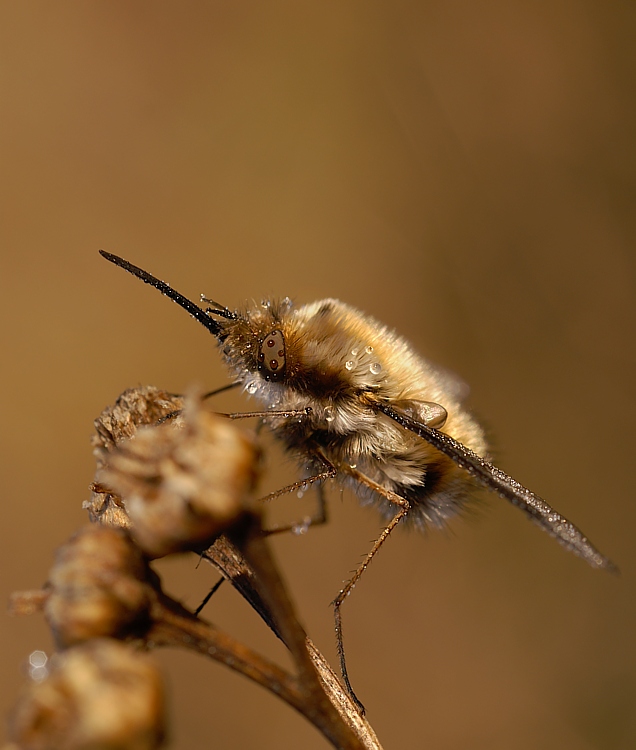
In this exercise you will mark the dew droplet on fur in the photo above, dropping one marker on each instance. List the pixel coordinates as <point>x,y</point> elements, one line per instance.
<point>329,414</point>
<point>350,364</point>
<point>355,352</point>
<point>252,387</point>
<point>375,368</point>
<point>369,350</point>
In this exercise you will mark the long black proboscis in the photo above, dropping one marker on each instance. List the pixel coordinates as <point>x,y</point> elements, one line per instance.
<point>194,310</point>
<point>565,532</point>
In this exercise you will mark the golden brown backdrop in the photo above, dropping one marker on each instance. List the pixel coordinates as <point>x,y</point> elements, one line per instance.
<point>465,172</point>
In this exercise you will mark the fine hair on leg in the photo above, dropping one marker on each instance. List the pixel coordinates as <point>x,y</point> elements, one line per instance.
<point>319,517</point>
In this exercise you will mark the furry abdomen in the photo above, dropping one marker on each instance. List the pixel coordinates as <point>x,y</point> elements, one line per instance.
<point>434,486</point>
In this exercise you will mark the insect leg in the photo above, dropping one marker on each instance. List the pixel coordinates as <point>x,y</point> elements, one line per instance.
<point>264,414</point>
<point>319,517</point>
<point>209,394</point>
<point>329,472</point>
<point>167,417</point>
<point>208,596</point>
<point>222,389</point>
<point>404,507</point>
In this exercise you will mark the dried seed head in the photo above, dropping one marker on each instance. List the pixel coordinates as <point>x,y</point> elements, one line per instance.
<point>97,588</point>
<point>101,695</point>
<point>106,508</point>
<point>134,408</point>
<point>182,487</point>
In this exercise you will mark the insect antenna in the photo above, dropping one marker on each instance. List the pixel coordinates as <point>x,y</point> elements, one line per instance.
<point>218,309</point>
<point>195,311</point>
<point>565,532</point>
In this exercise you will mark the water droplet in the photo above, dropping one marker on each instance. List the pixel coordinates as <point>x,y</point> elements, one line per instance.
<point>300,493</point>
<point>251,387</point>
<point>38,658</point>
<point>329,416</point>
<point>375,368</point>
<point>369,349</point>
<point>38,674</point>
<point>287,302</point>
<point>38,669</point>
<point>355,351</point>
<point>266,304</point>
<point>302,527</point>
<point>353,466</point>
<point>349,364</point>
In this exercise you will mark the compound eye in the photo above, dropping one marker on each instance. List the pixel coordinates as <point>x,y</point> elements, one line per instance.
<point>271,355</point>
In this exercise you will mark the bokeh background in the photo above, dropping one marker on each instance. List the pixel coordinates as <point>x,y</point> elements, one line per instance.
<point>463,171</point>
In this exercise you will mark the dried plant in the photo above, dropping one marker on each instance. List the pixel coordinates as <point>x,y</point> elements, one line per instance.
<point>170,478</point>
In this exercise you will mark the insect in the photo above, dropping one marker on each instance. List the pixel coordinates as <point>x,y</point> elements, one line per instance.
<point>353,401</point>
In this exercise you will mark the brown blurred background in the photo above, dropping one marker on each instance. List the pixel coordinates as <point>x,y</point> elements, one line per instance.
<point>463,171</point>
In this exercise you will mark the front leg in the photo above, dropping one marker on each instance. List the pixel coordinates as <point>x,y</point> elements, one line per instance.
<point>319,517</point>
<point>328,472</point>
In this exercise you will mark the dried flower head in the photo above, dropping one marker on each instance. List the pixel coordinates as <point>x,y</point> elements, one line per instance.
<point>101,695</point>
<point>135,407</point>
<point>182,485</point>
<point>97,587</point>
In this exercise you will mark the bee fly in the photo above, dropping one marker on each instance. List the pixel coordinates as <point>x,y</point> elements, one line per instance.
<point>353,401</point>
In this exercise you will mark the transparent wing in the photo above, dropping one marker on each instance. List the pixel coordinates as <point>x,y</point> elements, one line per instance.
<point>565,532</point>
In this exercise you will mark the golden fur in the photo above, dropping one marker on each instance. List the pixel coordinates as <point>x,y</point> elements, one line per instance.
<point>341,363</point>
